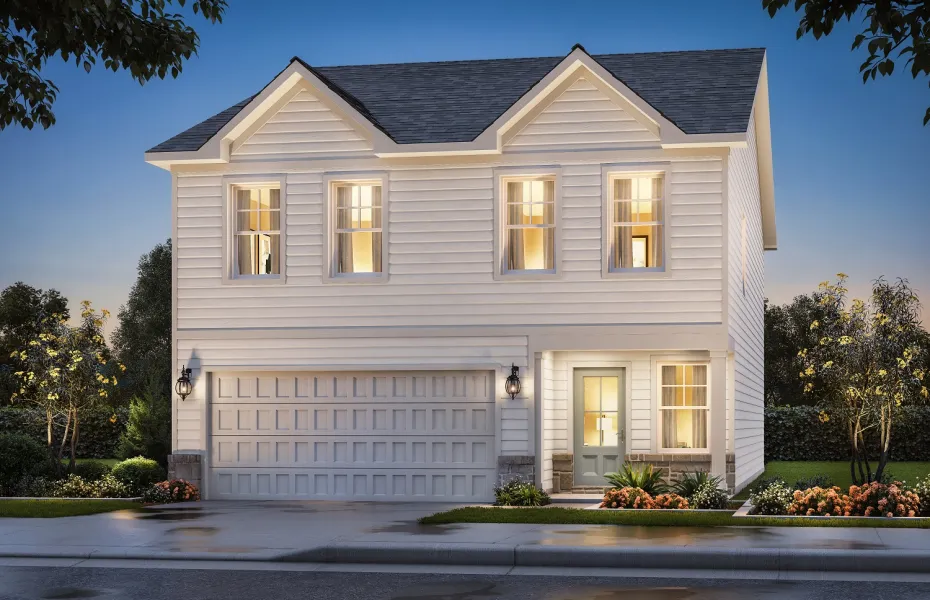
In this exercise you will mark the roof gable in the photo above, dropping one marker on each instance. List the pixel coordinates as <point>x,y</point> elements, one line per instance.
<point>701,92</point>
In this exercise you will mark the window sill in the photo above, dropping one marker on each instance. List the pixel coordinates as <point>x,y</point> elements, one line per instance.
<point>527,275</point>
<point>356,279</point>
<point>646,273</point>
<point>255,280</point>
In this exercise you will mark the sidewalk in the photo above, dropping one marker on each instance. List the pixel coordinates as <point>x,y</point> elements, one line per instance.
<point>388,534</point>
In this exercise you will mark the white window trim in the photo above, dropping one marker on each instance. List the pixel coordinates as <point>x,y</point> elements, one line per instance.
<point>229,229</point>
<point>657,404</point>
<point>608,174</point>
<point>330,181</point>
<point>502,175</point>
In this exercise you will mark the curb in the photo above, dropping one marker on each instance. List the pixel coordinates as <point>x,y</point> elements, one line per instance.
<point>761,559</point>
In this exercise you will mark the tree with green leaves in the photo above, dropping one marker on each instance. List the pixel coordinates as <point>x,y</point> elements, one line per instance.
<point>893,30</point>
<point>22,311</point>
<point>139,36</point>
<point>787,331</point>
<point>868,362</point>
<point>142,340</point>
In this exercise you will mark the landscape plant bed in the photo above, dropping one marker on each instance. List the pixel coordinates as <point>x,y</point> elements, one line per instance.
<point>728,511</point>
<point>743,512</point>
<point>59,507</point>
<point>652,518</point>
<point>47,499</point>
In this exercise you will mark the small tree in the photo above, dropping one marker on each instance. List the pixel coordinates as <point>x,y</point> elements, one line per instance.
<point>68,371</point>
<point>866,364</point>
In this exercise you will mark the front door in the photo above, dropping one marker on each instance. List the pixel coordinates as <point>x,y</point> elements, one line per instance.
<point>599,429</point>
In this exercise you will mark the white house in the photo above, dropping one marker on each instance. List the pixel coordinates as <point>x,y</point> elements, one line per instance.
<point>363,253</point>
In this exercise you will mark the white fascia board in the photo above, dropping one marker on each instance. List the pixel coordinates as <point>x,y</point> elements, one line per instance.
<point>709,140</point>
<point>764,155</point>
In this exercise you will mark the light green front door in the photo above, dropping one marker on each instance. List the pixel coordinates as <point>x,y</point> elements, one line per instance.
<point>599,424</point>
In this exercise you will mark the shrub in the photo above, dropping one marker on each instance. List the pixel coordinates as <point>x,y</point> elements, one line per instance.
<point>922,488</point>
<point>815,481</point>
<point>148,431</point>
<point>91,470</point>
<point>880,500</point>
<point>670,501</point>
<point>99,432</point>
<point>645,478</point>
<point>628,497</point>
<point>176,490</point>
<point>32,487</point>
<point>75,486</point>
<point>773,499</point>
<point>765,483</point>
<point>20,456</point>
<point>520,493</point>
<point>819,501</point>
<point>138,473</point>
<point>690,483</point>
<point>708,495</point>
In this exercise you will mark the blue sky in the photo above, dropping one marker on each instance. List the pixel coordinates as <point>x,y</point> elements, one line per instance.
<point>851,160</point>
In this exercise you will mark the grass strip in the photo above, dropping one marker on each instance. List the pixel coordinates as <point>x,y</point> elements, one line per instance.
<point>29,508</point>
<point>647,518</point>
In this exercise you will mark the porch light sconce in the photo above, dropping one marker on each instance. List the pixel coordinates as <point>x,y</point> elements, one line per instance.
<point>512,386</point>
<point>184,386</point>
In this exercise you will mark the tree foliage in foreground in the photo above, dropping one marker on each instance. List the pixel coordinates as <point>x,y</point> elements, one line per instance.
<point>139,36</point>
<point>894,30</point>
<point>867,362</point>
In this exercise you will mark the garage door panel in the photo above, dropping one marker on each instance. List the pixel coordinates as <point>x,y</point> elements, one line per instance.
<point>356,419</point>
<point>366,436</point>
<point>388,484</point>
<point>371,452</point>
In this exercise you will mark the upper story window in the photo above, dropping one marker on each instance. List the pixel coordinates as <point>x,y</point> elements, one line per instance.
<point>257,243</point>
<point>358,234</point>
<point>529,224</point>
<point>636,215</point>
<point>683,406</point>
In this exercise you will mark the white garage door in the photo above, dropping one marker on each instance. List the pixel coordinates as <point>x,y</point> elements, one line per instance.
<point>361,436</point>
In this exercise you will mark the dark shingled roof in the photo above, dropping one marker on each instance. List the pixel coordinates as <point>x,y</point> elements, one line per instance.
<point>703,91</point>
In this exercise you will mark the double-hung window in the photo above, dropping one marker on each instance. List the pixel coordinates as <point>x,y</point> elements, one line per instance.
<point>636,223</point>
<point>529,225</point>
<point>257,243</point>
<point>358,229</point>
<point>683,406</point>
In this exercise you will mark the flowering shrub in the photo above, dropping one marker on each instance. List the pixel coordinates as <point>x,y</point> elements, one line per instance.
<point>819,501</point>
<point>671,501</point>
<point>708,495</point>
<point>628,497</point>
<point>77,487</point>
<point>880,500</point>
<point>176,490</point>
<point>922,489</point>
<point>773,499</point>
<point>520,493</point>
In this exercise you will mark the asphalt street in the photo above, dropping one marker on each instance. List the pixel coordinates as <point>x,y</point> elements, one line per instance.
<point>48,583</point>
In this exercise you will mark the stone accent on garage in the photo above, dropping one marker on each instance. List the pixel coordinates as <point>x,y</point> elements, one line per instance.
<point>563,473</point>
<point>674,466</point>
<point>187,466</point>
<point>510,468</point>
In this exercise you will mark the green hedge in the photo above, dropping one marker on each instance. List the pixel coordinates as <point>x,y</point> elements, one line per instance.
<point>796,433</point>
<point>99,437</point>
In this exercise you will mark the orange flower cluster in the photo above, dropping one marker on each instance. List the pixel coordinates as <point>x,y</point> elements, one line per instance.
<point>631,497</point>
<point>179,490</point>
<point>871,500</point>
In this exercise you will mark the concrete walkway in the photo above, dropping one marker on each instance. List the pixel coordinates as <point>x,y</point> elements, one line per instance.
<point>383,533</point>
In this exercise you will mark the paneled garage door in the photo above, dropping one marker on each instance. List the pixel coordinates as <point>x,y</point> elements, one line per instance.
<point>362,436</point>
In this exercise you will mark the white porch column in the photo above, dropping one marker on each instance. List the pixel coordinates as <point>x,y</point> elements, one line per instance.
<point>718,414</point>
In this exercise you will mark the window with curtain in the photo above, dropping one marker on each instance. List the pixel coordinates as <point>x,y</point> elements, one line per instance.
<point>258,231</point>
<point>636,223</point>
<point>683,407</point>
<point>529,225</point>
<point>357,239</point>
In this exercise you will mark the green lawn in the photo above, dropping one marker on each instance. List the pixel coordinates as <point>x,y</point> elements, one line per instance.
<point>61,508</point>
<point>791,471</point>
<point>654,518</point>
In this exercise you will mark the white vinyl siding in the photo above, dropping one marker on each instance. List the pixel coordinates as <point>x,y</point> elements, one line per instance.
<point>304,127</point>
<point>582,118</point>
<point>746,313</point>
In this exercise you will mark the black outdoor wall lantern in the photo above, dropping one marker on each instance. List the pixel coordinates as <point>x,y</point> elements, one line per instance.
<point>184,386</point>
<point>512,386</point>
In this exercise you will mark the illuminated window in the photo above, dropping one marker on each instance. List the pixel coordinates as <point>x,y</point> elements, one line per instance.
<point>529,224</point>
<point>683,406</point>
<point>258,231</point>
<point>357,228</point>
<point>636,223</point>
